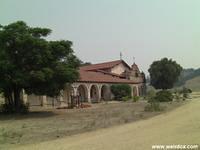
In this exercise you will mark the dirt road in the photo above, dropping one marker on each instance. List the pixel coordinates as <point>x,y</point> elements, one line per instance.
<point>180,126</point>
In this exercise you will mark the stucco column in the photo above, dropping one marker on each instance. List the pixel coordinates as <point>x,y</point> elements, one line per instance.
<point>132,92</point>
<point>88,86</point>
<point>99,93</point>
<point>88,96</point>
<point>24,97</point>
<point>43,100</point>
<point>137,91</point>
<point>61,99</point>
<point>67,96</point>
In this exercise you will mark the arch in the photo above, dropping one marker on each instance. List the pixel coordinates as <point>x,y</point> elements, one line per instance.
<point>105,92</point>
<point>83,93</point>
<point>94,93</point>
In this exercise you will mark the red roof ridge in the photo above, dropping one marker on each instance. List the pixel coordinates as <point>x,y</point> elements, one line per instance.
<point>104,65</point>
<point>100,77</point>
<point>106,62</point>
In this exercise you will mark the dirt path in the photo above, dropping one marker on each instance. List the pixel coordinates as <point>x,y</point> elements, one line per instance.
<point>180,126</point>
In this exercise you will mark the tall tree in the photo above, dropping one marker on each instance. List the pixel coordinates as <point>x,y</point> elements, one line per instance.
<point>28,61</point>
<point>164,73</point>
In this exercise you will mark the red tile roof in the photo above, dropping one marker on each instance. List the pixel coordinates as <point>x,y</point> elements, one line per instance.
<point>106,65</point>
<point>109,73</point>
<point>96,73</point>
<point>98,77</point>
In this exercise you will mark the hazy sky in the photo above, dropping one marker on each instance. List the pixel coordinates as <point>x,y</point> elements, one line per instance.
<point>145,29</point>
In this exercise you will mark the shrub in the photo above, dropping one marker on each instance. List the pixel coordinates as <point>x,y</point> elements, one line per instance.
<point>177,96</point>
<point>126,98</point>
<point>135,98</point>
<point>120,91</point>
<point>151,95</point>
<point>153,103</point>
<point>164,96</point>
<point>153,106</point>
<point>154,99</point>
<point>185,91</point>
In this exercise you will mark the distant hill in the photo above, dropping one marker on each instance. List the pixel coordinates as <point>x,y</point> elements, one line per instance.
<point>193,83</point>
<point>190,78</point>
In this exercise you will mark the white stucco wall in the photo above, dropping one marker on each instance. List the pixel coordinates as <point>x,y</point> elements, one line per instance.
<point>119,69</point>
<point>34,100</point>
<point>44,100</point>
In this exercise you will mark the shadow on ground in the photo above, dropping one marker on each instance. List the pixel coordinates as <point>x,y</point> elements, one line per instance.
<point>30,115</point>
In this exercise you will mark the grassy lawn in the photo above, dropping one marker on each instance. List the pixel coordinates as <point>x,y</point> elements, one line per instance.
<point>179,126</point>
<point>49,124</point>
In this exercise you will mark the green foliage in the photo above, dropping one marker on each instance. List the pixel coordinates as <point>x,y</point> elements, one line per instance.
<point>164,96</point>
<point>185,91</point>
<point>121,90</point>
<point>164,73</point>
<point>153,103</point>
<point>29,62</point>
<point>182,93</point>
<point>177,96</point>
<point>126,98</point>
<point>151,95</point>
<point>135,98</point>
<point>154,99</point>
<point>153,106</point>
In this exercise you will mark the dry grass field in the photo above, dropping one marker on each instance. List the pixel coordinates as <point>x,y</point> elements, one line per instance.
<point>193,84</point>
<point>179,126</point>
<point>49,124</point>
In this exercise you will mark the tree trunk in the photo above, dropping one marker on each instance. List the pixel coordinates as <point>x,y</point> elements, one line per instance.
<point>17,100</point>
<point>8,94</point>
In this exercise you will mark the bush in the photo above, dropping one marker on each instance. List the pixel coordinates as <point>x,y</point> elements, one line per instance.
<point>151,95</point>
<point>120,91</point>
<point>185,91</point>
<point>177,96</point>
<point>9,109</point>
<point>126,98</point>
<point>153,103</point>
<point>153,106</point>
<point>164,96</point>
<point>135,98</point>
<point>154,100</point>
